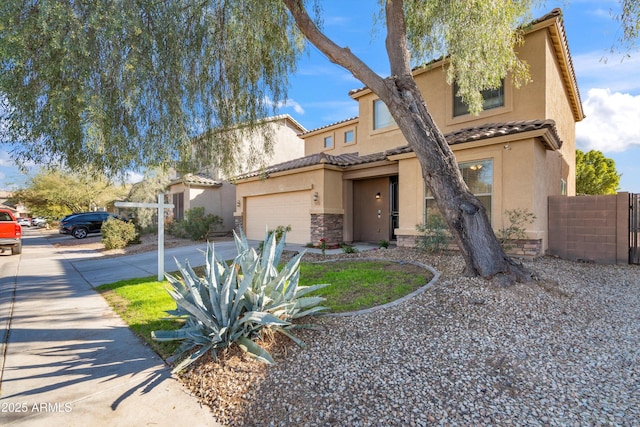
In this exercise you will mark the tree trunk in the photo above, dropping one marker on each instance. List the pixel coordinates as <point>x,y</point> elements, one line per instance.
<point>465,215</point>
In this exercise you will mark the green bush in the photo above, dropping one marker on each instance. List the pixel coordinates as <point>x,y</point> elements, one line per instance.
<point>235,303</point>
<point>434,235</point>
<point>117,234</point>
<point>348,249</point>
<point>518,219</point>
<point>195,225</point>
<point>279,233</point>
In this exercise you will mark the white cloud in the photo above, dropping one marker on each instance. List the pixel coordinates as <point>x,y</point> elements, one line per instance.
<point>611,124</point>
<point>290,103</point>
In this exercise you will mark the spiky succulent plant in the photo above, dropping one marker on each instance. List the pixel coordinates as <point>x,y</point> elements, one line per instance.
<point>232,303</point>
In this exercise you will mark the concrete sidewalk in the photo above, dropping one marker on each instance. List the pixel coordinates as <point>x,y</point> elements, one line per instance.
<point>69,360</point>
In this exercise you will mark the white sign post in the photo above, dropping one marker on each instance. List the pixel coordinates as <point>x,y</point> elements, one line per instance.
<point>161,206</point>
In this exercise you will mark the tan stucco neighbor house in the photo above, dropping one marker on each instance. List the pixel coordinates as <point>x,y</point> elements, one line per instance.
<point>359,181</point>
<point>212,190</point>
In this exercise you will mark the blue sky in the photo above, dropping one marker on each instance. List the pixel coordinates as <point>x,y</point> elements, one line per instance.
<point>609,83</point>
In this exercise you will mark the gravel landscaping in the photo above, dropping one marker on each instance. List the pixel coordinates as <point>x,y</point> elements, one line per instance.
<point>560,351</point>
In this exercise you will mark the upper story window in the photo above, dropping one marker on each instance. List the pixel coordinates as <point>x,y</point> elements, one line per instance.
<point>349,137</point>
<point>493,98</point>
<point>381,116</point>
<point>328,142</point>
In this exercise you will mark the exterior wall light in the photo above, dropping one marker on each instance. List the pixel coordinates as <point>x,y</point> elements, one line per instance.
<point>315,196</point>
<point>377,196</point>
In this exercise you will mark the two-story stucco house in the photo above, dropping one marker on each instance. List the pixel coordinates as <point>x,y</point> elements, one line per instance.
<point>359,181</point>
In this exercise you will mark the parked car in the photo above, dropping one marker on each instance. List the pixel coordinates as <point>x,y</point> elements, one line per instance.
<point>39,222</point>
<point>10,232</point>
<point>81,224</point>
<point>24,222</point>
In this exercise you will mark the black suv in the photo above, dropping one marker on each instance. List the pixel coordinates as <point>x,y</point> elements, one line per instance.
<point>81,224</point>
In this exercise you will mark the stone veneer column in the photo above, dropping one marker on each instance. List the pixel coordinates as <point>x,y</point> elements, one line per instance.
<point>237,224</point>
<point>327,227</point>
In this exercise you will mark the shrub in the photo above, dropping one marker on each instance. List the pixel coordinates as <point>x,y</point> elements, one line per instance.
<point>518,219</point>
<point>280,232</point>
<point>195,225</point>
<point>117,234</point>
<point>434,234</point>
<point>348,249</point>
<point>383,244</point>
<point>235,303</point>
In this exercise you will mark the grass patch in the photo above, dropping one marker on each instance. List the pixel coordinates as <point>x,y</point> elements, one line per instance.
<point>142,304</point>
<point>355,285</point>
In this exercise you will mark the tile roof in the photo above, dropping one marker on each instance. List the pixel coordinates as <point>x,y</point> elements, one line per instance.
<point>306,132</point>
<point>197,179</point>
<point>477,133</point>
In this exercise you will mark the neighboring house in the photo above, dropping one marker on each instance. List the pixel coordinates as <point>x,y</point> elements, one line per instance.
<point>210,188</point>
<point>359,181</point>
<point>19,210</point>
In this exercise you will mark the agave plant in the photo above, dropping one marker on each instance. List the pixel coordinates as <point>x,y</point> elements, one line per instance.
<point>233,302</point>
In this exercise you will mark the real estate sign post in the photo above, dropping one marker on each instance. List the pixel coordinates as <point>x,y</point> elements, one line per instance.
<point>161,206</point>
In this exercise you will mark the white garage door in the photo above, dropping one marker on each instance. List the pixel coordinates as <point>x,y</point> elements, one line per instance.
<point>284,209</point>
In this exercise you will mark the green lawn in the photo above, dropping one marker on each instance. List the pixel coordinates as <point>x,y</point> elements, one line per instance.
<point>355,285</point>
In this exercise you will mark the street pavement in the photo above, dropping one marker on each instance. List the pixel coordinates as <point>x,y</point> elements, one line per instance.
<point>67,359</point>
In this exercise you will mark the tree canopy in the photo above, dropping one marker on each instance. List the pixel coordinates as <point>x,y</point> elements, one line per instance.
<point>121,84</point>
<point>54,194</point>
<point>595,173</point>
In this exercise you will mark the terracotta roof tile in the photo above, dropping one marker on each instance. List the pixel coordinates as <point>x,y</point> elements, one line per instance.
<point>327,126</point>
<point>197,179</point>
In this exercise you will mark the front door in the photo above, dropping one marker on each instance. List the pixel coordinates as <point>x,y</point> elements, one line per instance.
<point>375,209</point>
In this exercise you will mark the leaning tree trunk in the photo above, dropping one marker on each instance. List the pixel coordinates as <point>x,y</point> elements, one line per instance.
<point>465,215</point>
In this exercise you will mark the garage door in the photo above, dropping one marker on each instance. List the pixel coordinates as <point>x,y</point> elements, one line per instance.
<point>284,209</point>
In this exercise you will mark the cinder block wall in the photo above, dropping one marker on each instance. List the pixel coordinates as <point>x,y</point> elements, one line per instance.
<point>590,228</point>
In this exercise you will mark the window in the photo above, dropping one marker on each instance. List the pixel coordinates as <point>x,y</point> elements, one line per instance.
<point>493,98</point>
<point>349,137</point>
<point>178,206</point>
<point>478,175</point>
<point>381,116</point>
<point>328,142</point>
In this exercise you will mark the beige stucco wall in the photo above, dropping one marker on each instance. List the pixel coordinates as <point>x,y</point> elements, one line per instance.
<point>218,201</point>
<point>288,145</point>
<point>520,181</point>
<point>327,183</point>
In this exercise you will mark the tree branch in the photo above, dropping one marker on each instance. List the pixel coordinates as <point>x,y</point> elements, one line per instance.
<point>336,54</point>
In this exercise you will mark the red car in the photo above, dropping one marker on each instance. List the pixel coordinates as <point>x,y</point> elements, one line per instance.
<point>10,233</point>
